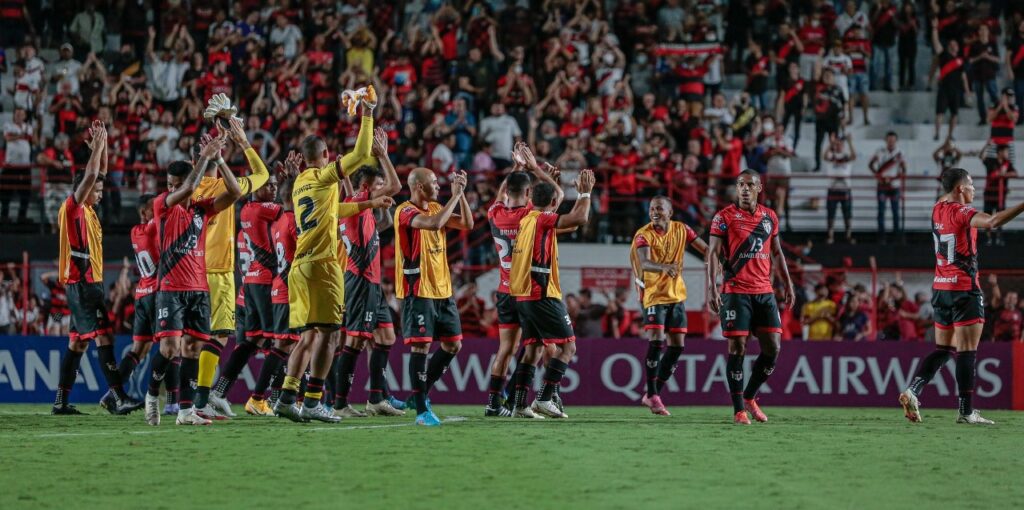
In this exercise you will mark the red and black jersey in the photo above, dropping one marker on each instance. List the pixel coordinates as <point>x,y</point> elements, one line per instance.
<point>58,297</point>
<point>785,50</point>
<point>504,222</point>
<point>256,219</point>
<point>829,102</point>
<point>284,234</point>
<point>147,256</point>
<point>81,243</point>
<point>183,243</point>
<point>691,80</point>
<point>956,247</point>
<point>858,49</point>
<point>212,84</point>
<point>359,233</point>
<point>997,179</point>
<point>813,39</point>
<point>1002,127</point>
<point>793,97</point>
<point>951,70</point>
<point>747,238</point>
<point>883,26</point>
<point>757,73</point>
<point>1007,325</point>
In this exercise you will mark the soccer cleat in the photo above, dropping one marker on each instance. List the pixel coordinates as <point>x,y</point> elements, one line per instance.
<point>410,403</point>
<point>397,404</point>
<point>66,409</point>
<point>109,402</point>
<point>369,97</point>
<point>974,419</point>
<point>428,419</point>
<point>329,407</point>
<point>258,407</point>
<point>350,412</point>
<point>152,410</point>
<point>210,413</point>
<point>741,418</point>
<point>911,407</point>
<point>171,409</point>
<point>500,411</point>
<point>754,410</point>
<point>221,405</point>
<point>290,411</point>
<point>127,406</point>
<point>526,412</point>
<point>319,413</point>
<point>190,417</point>
<point>383,408</point>
<point>556,398</point>
<point>547,408</point>
<point>657,407</point>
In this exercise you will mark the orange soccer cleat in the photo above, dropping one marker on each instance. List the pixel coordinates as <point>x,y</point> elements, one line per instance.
<point>741,418</point>
<point>754,410</point>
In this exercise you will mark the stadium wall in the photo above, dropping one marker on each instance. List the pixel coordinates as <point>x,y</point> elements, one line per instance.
<point>605,372</point>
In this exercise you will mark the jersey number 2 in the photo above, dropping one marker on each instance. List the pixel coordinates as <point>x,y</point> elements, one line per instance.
<point>305,222</point>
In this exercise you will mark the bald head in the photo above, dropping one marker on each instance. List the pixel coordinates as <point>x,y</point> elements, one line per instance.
<point>419,175</point>
<point>423,183</point>
<point>314,150</point>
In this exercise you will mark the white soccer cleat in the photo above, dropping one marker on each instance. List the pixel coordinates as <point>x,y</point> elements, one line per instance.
<point>911,407</point>
<point>383,408</point>
<point>547,408</point>
<point>319,413</point>
<point>152,410</point>
<point>221,405</point>
<point>210,413</point>
<point>974,418</point>
<point>350,412</point>
<point>526,412</point>
<point>190,417</point>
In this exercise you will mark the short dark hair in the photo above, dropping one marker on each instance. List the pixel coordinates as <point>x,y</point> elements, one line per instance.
<point>891,133</point>
<point>179,168</point>
<point>312,147</point>
<point>952,178</point>
<point>145,199</point>
<point>366,174</point>
<point>752,173</point>
<point>518,182</point>
<point>77,179</point>
<point>543,194</point>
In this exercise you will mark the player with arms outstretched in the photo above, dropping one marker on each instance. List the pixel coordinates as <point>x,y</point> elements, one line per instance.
<point>744,239</point>
<point>956,293</point>
<point>657,259</point>
<point>534,282</point>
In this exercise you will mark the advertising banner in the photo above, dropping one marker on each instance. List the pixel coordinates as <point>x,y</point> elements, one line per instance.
<point>605,372</point>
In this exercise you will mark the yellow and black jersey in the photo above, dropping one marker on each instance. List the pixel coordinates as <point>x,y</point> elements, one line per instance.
<point>534,273</point>
<point>657,288</point>
<point>421,256</point>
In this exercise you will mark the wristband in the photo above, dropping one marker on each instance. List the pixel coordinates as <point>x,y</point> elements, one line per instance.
<point>584,195</point>
<point>220,161</point>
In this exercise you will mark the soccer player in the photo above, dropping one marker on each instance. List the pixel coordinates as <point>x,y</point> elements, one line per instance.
<point>316,293</point>
<point>256,217</point>
<point>744,237</point>
<point>512,205</point>
<point>534,282</point>
<point>657,259</point>
<point>956,293</point>
<point>80,269</point>
<point>423,281</point>
<point>220,261</point>
<point>183,298</point>
<point>367,315</point>
<point>283,236</point>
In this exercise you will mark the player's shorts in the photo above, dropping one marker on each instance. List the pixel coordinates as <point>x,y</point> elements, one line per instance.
<point>88,306</point>
<point>958,308</point>
<point>365,307</point>
<point>259,315</point>
<point>185,312</point>
<point>281,329</point>
<point>316,295</point>
<point>545,320</point>
<point>859,83</point>
<point>144,323</point>
<point>670,318</point>
<point>425,320</point>
<point>508,314</point>
<point>222,302</point>
<point>742,314</point>
<point>947,99</point>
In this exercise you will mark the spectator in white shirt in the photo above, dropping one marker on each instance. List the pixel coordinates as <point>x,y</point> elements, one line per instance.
<point>779,153</point>
<point>501,131</point>
<point>17,181</point>
<point>839,156</point>
<point>166,72</point>
<point>442,160</point>
<point>88,28</point>
<point>851,16</point>
<point>166,137</point>
<point>287,35</point>
<point>66,70</point>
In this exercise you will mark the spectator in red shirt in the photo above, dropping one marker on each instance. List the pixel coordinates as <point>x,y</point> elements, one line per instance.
<point>624,186</point>
<point>1008,319</point>
<point>400,74</point>
<point>730,149</point>
<point>812,36</point>
<point>471,311</point>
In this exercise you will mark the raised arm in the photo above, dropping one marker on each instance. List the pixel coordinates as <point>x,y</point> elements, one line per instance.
<point>464,220</point>
<point>580,213</point>
<point>98,145</point>
<point>232,192</point>
<point>260,175</point>
<point>380,150</point>
<point>990,221</point>
<point>207,155</point>
<point>439,220</point>
<point>523,156</point>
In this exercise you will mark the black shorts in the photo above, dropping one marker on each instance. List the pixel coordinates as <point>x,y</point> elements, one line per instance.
<point>184,312</point>
<point>545,320</point>
<point>259,316</point>
<point>281,330</point>
<point>956,308</point>
<point>366,309</point>
<point>743,314</point>
<point>508,314</point>
<point>670,318</point>
<point>88,306</point>
<point>144,323</point>
<point>425,320</point>
<point>947,99</point>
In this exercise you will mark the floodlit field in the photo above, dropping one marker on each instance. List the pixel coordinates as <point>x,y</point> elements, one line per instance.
<point>603,457</point>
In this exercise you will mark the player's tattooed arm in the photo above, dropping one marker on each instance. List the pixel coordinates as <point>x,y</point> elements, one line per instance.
<point>392,185</point>
<point>580,213</point>
<point>714,268</point>
<point>98,144</point>
<point>788,294</point>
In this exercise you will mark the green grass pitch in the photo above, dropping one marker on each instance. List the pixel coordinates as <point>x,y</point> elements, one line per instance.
<point>602,457</point>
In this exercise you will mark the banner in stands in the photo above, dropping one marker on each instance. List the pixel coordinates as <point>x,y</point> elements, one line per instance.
<point>606,372</point>
<point>606,279</point>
